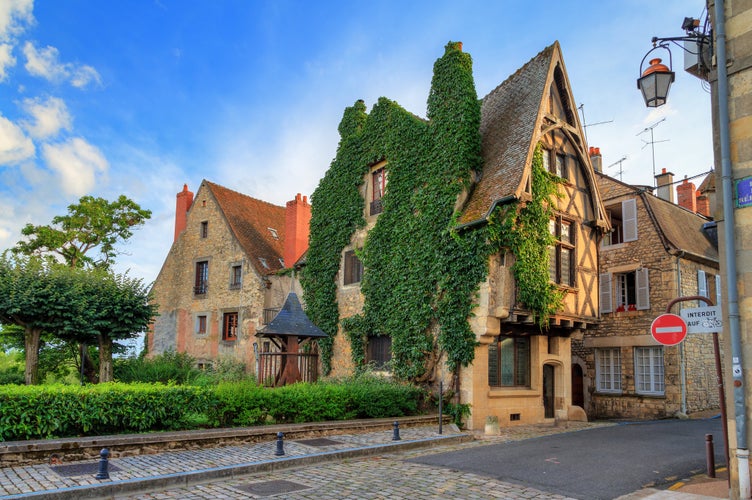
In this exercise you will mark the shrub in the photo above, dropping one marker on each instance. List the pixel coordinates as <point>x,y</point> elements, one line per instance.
<point>33,412</point>
<point>170,367</point>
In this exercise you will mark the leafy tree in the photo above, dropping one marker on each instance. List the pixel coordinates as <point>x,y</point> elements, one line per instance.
<point>121,307</point>
<point>72,305</point>
<point>38,297</point>
<point>92,224</point>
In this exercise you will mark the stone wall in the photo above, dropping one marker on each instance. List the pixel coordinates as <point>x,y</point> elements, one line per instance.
<point>689,390</point>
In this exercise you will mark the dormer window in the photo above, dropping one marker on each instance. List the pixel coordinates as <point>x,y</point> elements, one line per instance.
<point>274,233</point>
<point>263,262</point>
<point>378,188</point>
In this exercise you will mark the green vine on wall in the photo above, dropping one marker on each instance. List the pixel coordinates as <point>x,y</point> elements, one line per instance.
<point>420,281</point>
<point>421,276</point>
<point>524,229</point>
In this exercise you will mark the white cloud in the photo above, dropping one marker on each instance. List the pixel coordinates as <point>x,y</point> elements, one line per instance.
<point>49,117</point>
<point>14,14</point>
<point>6,60</point>
<point>82,76</point>
<point>44,63</point>
<point>14,145</point>
<point>77,163</point>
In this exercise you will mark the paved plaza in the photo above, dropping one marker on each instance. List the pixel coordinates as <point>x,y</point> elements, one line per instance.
<point>368,465</point>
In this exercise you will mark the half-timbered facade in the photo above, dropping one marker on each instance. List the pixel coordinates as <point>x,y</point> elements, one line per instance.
<point>522,373</point>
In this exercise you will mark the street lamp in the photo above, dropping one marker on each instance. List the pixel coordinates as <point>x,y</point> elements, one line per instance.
<point>656,80</point>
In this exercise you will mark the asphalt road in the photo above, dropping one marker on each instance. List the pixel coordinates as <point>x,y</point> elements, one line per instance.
<point>595,464</point>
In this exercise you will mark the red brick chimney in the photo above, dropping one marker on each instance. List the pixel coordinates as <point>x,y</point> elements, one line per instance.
<point>182,205</point>
<point>685,193</point>
<point>297,222</point>
<point>703,204</point>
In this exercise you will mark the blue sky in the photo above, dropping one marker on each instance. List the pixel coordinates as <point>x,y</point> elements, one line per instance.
<point>139,97</point>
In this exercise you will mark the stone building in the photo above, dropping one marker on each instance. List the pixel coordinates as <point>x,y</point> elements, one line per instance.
<point>657,251</point>
<point>520,372</point>
<point>221,280</point>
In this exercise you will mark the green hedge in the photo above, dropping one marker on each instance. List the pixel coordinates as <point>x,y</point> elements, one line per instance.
<point>34,412</point>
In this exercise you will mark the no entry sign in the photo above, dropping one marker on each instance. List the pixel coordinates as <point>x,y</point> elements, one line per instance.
<point>668,329</point>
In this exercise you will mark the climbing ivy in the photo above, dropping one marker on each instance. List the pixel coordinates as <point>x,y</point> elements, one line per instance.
<point>524,229</point>
<point>421,274</point>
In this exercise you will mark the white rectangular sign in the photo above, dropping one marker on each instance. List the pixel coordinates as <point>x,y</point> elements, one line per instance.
<point>703,319</point>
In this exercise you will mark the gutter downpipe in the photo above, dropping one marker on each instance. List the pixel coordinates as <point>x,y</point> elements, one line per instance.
<point>682,359</point>
<point>740,411</point>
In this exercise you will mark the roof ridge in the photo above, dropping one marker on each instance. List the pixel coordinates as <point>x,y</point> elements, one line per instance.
<point>214,184</point>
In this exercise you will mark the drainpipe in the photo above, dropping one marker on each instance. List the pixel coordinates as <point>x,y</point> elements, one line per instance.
<point>682,357</point>
<point>740,411</point>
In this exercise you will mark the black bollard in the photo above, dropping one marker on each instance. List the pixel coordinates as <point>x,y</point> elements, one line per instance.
<point>280,445</point>
<point>709,455</point>
<point>441,407</point>
<point>396,436</point>
<point>103,465</point>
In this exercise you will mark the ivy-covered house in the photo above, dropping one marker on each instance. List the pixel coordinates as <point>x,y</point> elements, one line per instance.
<point>221,280</point>
<point>462,247</point>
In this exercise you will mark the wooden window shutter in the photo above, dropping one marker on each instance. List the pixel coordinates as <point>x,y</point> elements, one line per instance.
<point>702,286</point>
<point>604,286</point>
<point>643,288</point>
<point>629,219</point>
<point>718,289</point>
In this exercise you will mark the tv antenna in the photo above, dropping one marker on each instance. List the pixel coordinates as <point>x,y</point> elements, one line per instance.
<point>652,142</point>
<point>585,125</point>
<point>618,162</point>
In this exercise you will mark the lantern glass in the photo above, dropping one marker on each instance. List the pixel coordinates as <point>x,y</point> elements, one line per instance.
<point>655,86</point>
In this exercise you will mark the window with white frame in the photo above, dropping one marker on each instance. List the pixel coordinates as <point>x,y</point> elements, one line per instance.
<point>628,291</point>
<point>608,369</point>
<point>623,217</point>
<point>649,370</point>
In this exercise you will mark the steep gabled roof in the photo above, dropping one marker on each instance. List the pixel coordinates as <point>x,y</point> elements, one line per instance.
<point>512,121</point>
<point>250,220</point>
<point>509,117</point>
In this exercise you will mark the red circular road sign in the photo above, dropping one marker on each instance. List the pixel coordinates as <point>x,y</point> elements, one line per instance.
<point>669,329</point>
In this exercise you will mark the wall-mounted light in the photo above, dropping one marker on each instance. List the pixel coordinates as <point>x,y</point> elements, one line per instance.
<point>655,81</point>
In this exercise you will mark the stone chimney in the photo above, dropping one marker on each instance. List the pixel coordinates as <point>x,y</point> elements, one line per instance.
<point>297,222</point>
<point>182,205</point>
<point>686,193</point>
<point>595,159</point>
<point>665,183</point>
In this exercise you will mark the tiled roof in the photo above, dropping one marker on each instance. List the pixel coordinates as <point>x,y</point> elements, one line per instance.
<point>250,221</point>
<point>678,227</point>
<point>681,228</point>
<point>509,116</point>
